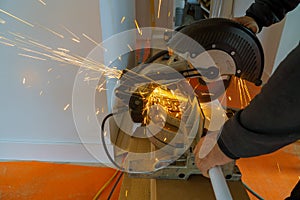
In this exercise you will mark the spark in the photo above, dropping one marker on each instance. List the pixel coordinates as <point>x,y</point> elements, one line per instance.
<point>32,51</point>
<point>17,35</point>
<point>7,44</point>
<point>90,39</point>
<point>229,98</point>
<point>98,111</point>
<point>105,133</point>
<point>75,40</point>
<point>159,7</point>
<point>16,18</point>
<point>130,48</point>
<point>123,19</point>
<point>169,14</point>
<point>165,139</point>
<point>42,2</point>
<point>2,21</point>
<point>29,56</point>
<point>52,31</point>
<point>138,28</point>
<point>41,92</point>
<point>39,44</point>
<point>240,92</point>
<point>120,59</point>
<point>126,193</point>
<point>278,167</point>
<point>66,107</point>
<point>246,90</point>
<point>24,81</point>
<point>73,34</point>
<point>62,49</point>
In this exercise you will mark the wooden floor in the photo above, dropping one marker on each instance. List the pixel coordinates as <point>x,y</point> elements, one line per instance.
<point>271,176</point>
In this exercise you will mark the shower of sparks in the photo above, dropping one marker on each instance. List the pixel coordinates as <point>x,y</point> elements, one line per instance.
<point>66,58</point>
<point>2,21</point>
<point>159,7</point>
<point>75,40</point>
<point>90,39</point>
<point>42,2</point>
<point>66,107</point>
<point>16,18</point>
<point>7,44</point>
<point>243,91</point>
<point>138,28</point>
<point>123,19</point>
<point>38,51</point>
<point>73,34</point>
<point>29,56</point>
<point>17,35</point>
<point>130,48</point>
<point>24,81</point>
<point>53,32</point>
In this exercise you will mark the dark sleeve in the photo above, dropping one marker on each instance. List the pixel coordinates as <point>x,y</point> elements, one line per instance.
<point>268,12</point>
<point>272,119</point>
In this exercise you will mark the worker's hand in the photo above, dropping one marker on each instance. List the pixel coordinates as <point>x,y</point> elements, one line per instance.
<point>247,21</point>
<point>208,154</point>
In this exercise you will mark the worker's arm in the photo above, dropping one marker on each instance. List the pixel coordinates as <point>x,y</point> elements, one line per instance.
<point>268,12</point>
<point>272,120</point>
<point>264,13</point>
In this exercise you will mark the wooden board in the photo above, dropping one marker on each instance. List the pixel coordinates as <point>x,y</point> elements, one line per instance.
<point>197,187</point>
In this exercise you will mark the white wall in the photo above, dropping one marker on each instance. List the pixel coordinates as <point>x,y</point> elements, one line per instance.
<point>35,126</point>
<point>290,36</point>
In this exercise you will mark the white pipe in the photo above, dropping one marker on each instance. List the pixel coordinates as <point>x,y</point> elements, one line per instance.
<point>219,184</point>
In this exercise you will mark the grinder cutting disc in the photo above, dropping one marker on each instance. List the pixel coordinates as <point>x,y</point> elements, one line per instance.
<point>226,40</point>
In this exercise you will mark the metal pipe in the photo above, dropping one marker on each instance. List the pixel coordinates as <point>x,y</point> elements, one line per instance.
<point>219,184</point>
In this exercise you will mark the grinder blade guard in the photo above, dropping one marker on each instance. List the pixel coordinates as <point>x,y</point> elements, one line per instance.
<point>226,41</point>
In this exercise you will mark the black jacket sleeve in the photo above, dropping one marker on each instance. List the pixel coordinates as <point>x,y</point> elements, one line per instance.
<point>268,12</point>
<point>272,119</point>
